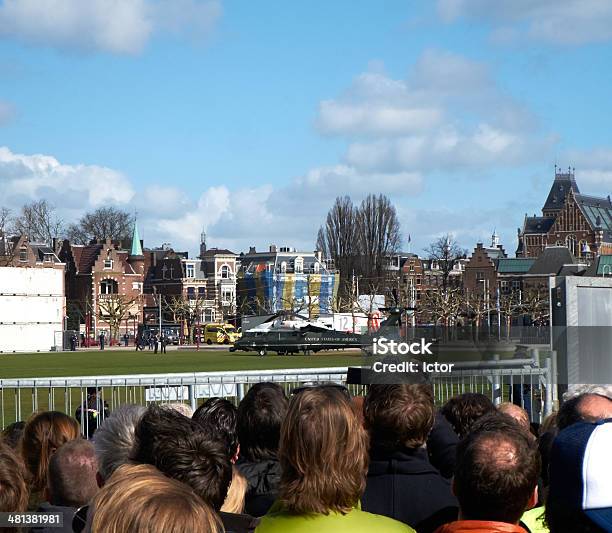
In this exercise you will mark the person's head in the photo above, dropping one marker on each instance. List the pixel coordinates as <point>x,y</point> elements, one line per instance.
<point>72,474</point>
<point>463,410</point>
<point>496,472</point>
<point>323,453</point>
<point>586,407</point>
<point>517,412</point>
<point>43,434</point>
<point>179,448</point>
<point>580,489</point>
<point>13,486</point>
<point>220,417</point>
<point>12,434</point>
<point>260,415</point>
<point>140,498</point>
<point>179,407</point>
<point>399,416</point>
<point>114,439</point>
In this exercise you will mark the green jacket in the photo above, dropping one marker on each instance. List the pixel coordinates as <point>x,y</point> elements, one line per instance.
<point>357,521</point>
<point>534,520</point>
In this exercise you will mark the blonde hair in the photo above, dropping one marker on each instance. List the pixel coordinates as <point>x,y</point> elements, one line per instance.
<point>323,453</point>
<point>140,498</point>
<point>43,434</point>
<point>234,501</point>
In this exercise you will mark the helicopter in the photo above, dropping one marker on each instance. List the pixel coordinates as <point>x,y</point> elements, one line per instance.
<point>290,333</point>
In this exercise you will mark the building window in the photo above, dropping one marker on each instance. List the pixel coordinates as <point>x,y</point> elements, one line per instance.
<point>316,267</point>
<point>226,295</point>
<point>109,286</point>
<point>480,275</point>
<point>504,287</point>
<point>284,267</point>
<point>418,281</point>
<point>570,242</point>
<point>23,254</point>
<point>299,265</point>
<point>516,285</point>
<point>191,293</point>
<point>225,272</point>
<point>201,292</point>
<point>48,258</point>
<point>108,263</point>
<point>190,270</point>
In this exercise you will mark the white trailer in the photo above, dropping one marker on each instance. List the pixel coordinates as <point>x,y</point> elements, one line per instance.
<point>32,309</point>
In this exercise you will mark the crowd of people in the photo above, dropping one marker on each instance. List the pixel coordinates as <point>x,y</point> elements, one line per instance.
<point>318,461</point>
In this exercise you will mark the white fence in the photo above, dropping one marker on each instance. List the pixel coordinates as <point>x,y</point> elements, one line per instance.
<point>522,381</point>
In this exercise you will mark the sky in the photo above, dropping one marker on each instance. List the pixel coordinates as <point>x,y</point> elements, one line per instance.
<point>248,119</point>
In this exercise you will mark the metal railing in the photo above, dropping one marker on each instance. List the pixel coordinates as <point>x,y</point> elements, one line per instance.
<point>501,380</point>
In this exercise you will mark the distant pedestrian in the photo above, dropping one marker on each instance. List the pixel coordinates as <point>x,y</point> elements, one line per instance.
<point>164,343</point>
<point>102,339</point>
<point>155,343</point>
<point>151,341</point>
<point>126,339</point>
<point>73,342</point>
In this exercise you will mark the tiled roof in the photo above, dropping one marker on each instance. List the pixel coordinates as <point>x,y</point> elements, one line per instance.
<point>217,251</point>
<point>538,224</point>
<point>86,258</point>
<point>552,259</point>
<point>560,187</point>
<point>514,265</point>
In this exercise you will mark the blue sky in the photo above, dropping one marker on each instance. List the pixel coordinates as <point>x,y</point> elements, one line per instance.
<point>250,118</point>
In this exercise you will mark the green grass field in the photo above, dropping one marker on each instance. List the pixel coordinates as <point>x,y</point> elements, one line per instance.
<point>118,362</point>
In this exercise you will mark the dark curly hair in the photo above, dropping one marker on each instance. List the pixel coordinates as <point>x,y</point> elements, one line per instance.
<point>182,450</point>
<point>463,410</point>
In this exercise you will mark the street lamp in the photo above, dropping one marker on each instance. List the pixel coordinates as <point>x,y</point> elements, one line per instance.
<point>485,283</point>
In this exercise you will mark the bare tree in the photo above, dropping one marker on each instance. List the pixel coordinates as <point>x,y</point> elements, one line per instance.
<point>535,304</point>
<point>445,251</point>
<point>114,308</point>
<point>378,233</point>
<point>442,308</point>
<point>360,241</point>
<point>6,248</point>
<point>509,307</point>
<point>338,240</point>
<point>39,222</point>
<point>103,223</point>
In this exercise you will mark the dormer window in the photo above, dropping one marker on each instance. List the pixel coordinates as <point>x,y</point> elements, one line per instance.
<point>48,258</point>
<point>23,254</point>
<point>108,263</point>
<point>299,265</point>
<point>284,267</point>
<point>225,272</point>
<point>190,270</point>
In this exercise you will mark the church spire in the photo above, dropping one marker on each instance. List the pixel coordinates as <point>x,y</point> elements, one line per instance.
<point>136,246</point>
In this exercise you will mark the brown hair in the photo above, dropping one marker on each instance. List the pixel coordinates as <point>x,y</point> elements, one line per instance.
<point>13,488</point>
<point>43,434</point>
<point>399,415</point>
<point>323,453</point>
<point>141,498</point>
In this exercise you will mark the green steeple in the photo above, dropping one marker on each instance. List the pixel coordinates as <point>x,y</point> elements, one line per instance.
<point>136,246</point>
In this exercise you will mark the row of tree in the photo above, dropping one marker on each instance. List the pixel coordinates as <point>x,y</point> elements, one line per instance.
<point>40,222</point>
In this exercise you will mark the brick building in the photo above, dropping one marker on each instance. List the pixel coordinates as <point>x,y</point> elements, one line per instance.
<point>104,286</point>
<point>578,221</point>
<point>481,269</point>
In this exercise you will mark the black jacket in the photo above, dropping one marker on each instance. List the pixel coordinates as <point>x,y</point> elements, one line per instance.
<point>238,523</point>
<point>405,486</point>
<point>67,512</point>
<point>263,478</point>
<point>442,446</point>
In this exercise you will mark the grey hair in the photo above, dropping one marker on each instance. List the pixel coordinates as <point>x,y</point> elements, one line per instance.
<point>179,407</point>
<point>114,439</point>
<point>578,390</point>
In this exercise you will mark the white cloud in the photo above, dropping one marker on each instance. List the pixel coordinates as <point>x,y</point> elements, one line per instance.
<point>448,114</point>
<point>569,22</point>
<point>211,206</point>
<point>7,112</point>
<point>37,176</point>
<point>115,26</point>
<point>593,169</point>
